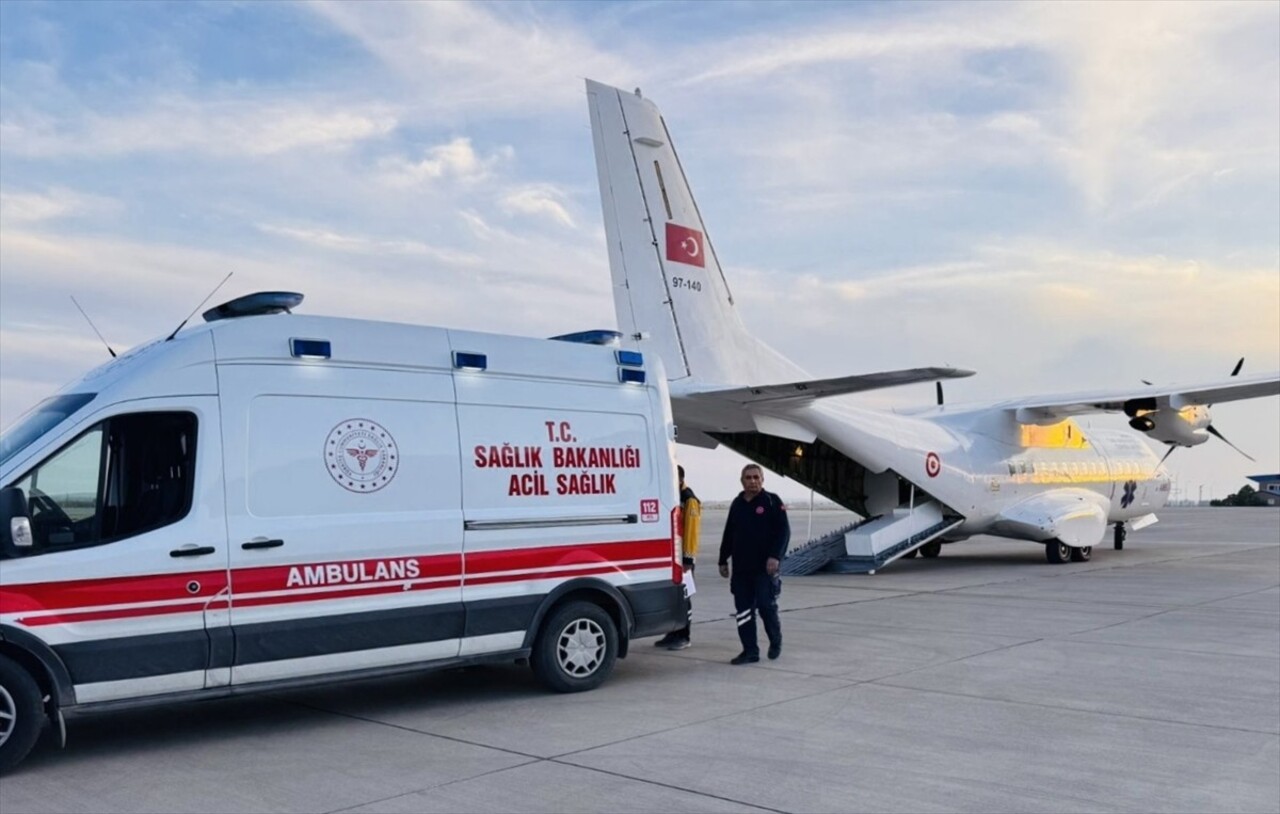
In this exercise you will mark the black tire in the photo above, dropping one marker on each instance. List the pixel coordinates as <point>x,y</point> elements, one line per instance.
<point>21,713</point>
<point>931,549</point>
<point>913,552</point>
<point>576,648</point>
<point>1082,554</point>
<point>1120,535</point>
<point>1056,551</point>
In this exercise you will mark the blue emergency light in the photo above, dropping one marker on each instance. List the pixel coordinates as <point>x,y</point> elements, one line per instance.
<point>470,361</point>
<point>630,358</point>
<point>310,348</point>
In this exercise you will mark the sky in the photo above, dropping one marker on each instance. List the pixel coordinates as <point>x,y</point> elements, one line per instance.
<point>1060,196</point>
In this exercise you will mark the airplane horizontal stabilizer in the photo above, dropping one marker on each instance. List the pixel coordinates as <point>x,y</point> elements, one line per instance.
<point>792,392</point>
<point>1046,408</point>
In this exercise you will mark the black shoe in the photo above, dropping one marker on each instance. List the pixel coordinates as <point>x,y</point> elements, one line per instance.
<point>775,650</point>
<point>679,644</point>
<point>745,658</point>
<point>667,640</point>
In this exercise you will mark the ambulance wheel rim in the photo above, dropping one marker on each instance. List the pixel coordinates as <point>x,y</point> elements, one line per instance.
<point>8,715</point>
<point>581,647</point>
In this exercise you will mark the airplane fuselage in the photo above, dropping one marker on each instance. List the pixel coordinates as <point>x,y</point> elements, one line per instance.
<point>982,463</point>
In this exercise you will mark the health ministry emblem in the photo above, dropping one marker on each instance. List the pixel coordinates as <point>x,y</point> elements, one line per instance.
<point>361,455</point>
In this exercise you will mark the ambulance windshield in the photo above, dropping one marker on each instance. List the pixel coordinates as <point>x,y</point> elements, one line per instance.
<point>48,414</point>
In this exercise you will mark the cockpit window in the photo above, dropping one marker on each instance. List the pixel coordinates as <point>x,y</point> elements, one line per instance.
<point>124,476</point>
<point>48,414</point>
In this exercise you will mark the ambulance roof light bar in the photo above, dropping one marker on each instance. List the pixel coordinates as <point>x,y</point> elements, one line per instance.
<point>252,305</point>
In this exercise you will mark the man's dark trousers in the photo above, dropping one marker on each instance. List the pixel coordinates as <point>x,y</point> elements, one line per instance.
<point>752,593</point>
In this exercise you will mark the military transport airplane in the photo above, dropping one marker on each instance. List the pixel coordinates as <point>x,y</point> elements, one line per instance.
<point>1020,468</point>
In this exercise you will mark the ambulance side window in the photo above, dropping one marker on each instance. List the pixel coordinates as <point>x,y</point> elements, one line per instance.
<point>121,477</point>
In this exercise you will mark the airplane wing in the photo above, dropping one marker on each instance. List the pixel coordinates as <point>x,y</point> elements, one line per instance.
<point>793,392</point>
<point>1038,409</point>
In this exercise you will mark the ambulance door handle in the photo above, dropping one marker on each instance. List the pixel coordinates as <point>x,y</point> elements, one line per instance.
<point>261,543</point>
<point>192,551</point>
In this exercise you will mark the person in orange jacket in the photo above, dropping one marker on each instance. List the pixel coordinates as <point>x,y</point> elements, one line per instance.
<point>691,511</point>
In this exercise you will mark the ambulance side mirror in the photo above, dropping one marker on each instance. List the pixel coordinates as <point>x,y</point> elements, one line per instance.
<point>15,522</point>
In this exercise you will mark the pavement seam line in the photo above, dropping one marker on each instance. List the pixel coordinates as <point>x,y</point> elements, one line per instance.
<point>1103,713</point>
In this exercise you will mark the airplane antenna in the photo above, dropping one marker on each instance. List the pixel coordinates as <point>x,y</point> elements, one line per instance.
<point>94,327</point>
<point>197,308</point>
<point>938,385</point>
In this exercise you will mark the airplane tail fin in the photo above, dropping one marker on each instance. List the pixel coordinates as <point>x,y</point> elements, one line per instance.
<point>670,295</point>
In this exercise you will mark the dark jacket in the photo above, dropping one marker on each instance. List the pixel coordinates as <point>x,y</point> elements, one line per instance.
<point>754,532</point>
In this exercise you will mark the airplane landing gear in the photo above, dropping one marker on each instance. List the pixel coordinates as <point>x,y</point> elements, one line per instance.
<point>931,549</point>
<point>1120,535</point>
<point>1056,551</point>
<point>1081,554</point>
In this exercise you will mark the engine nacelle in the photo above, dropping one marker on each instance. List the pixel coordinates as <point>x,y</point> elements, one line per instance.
<point>1185,427</point>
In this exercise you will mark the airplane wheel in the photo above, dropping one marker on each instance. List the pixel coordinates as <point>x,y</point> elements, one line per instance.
<point>1120,535</point>
<point>1056,551</point>
<point>913,552</point>
<point>1081,554</point>
<point>931,549</point>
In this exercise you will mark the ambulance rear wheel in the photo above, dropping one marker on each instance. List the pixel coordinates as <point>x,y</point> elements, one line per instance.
<point>576,648</point>
<point>1056,551</point>
<point>1081,554</point>
<point>20,713</point>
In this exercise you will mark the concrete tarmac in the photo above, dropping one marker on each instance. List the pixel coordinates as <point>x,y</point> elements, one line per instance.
<point>985,680</point>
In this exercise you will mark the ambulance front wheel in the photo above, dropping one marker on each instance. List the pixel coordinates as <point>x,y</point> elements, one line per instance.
<point>576,648</point>
<point>20,713</point>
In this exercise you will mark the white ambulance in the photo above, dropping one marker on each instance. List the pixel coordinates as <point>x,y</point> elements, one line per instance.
<point>272,499</point>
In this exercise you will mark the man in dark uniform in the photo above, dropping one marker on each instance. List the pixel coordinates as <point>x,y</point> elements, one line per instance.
<point>756,535</point>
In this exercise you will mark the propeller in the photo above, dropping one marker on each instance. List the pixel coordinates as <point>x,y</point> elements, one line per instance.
<point>1210,429</point>
<point>1235,371</point>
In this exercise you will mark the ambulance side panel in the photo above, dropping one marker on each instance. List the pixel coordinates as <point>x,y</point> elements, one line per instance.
<point>562,481</point>
<point>344,507</point>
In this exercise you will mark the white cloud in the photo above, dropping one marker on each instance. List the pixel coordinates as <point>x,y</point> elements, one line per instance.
<point>540,200</point>
<point>473,57</point>
<point>231,127</point>
<point>456,160</point>
<point>54,203</point>
<point>359,244</point>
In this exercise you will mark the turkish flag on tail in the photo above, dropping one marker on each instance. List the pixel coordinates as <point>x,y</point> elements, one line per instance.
<point>685,245</point>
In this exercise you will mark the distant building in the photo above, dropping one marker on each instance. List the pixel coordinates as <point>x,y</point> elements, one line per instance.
<point>1268,488</point>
